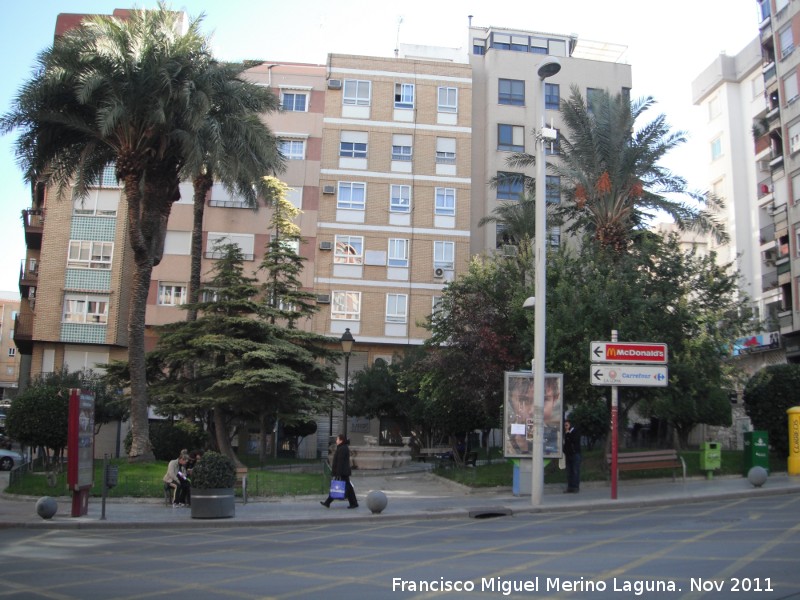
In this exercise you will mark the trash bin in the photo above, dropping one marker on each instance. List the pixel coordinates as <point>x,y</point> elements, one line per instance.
<point>756,451</point>
<point>710,458</point>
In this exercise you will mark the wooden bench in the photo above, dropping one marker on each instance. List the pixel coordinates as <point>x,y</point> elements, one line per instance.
<point>650,459</point>
<point>426,454</point>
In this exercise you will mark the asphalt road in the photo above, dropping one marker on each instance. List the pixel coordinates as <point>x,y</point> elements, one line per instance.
<point>738,548</point>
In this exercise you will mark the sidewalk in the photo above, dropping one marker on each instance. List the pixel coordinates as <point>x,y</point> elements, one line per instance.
<point>410,494</point>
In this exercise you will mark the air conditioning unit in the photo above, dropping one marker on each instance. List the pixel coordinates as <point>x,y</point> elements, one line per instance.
<point>438,273</point>
<point>323,298</point>
<point>329,189</point>
<point>326,245</point>
<point>334,84</point>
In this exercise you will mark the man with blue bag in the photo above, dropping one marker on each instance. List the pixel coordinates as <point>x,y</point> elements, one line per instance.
<point>341,487</point>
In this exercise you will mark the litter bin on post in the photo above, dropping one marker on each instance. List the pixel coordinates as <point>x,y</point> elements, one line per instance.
<point>756,451</point>
<point>710,458</point>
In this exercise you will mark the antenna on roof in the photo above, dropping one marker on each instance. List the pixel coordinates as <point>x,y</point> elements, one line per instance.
<point>397,42</point>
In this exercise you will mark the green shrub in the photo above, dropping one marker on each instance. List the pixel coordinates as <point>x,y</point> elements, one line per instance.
<point>168,439</point>
<point>214,471</point>
<point>767,396</point>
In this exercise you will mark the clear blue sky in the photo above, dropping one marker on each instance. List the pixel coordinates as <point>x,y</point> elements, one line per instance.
<point>669,44</point>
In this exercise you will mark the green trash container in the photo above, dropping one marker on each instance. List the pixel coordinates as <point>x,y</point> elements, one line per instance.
<point>756,451</point>
<point>710,458</point>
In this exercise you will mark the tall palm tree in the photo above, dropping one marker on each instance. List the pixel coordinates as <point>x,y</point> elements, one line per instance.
<point>611,181</point>
<point>236,149</point>
<point>128,92</point>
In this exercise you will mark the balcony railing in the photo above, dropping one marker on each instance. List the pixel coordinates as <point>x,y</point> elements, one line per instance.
<point>33,221</point>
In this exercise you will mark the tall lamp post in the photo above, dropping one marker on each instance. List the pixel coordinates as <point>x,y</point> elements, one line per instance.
<point>547,68</point>
<point>347,345</point>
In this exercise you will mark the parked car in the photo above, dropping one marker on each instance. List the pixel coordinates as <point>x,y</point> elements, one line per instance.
<point>10,459</point>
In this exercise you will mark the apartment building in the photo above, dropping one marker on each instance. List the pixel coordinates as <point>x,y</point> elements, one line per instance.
<point>507,114</point>
<point>9,358</point>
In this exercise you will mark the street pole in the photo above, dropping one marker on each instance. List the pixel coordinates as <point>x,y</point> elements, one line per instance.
<point>547,68</point>
<point>614,427</point>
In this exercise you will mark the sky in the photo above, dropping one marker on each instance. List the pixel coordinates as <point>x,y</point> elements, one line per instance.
<point>669,44</point>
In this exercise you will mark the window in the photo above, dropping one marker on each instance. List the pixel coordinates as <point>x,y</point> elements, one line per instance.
<point>404,95</point>
<point>593,97</point>
<point>553,189</point>
<point>437,306</point>
<point>83,308</point>
<point>786,40</point>
<point>12,352</point>
<point>510,138</point>
<point>352,195</point>
<point>445,151</point>
<point>444,255</point>
<point>346,306</point>
<point>401,147</point>
<point>794,137</point>
<point>356,92</point>
<point>796,188</point>
<point>552,96</point>
<point>445,202</point>
<point>511,91</point>
<point>292,149</point>
<point>99,202</point>
<point>353,144</point>
<point>349,250</point>
<point>509,186</point>
<point>790,87</point>
<point>294,102</point>
<point>172,294</point>
<point>713,107</point>
<point>108,178</point>
<point>448,99</point>
<point>85,254</point>
<point>398,252</point>
<point>400,198</point>
<point>716,148</point>
<point>215,242</point>
<point>396,308</point>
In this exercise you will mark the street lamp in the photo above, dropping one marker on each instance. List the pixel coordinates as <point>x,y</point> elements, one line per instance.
<point>347,345</point>
<point>547,68</point>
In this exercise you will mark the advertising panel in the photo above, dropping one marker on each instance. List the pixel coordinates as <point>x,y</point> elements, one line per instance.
<point>518,415</point>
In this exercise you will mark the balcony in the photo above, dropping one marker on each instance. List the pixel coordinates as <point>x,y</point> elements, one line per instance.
<point>28,279</point>
<point>33,221</point>
<point>23,333</point>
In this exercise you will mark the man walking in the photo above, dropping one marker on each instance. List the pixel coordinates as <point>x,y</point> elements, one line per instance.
<point>572,454</point>
<point>340,469</point>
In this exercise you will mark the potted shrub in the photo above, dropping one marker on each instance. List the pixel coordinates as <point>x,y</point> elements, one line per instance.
<point>213,481</point>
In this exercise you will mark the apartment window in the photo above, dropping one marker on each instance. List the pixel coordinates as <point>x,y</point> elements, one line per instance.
<point>554,236</point>
<point>713,107</point>
<point>786,40</point>
<point>448,99</point>
<point>509,186</point>
<point>510,138</point>
<point>292,149</point>
<point>446,151</point>
<point>400,198</point>
<point>353,144</point>
<point>401,147</point>
<point>396,308</point>
<point>404,95</point>
<point>445,202</point>
<point>108,178</point>
<point>794,137</point>
<point>349,250</point>
<point>356,92</point>
<point>99,202</point>
<point>552,96</point>
<point>796,188</point>
<point>444,254</point>
<point>346,306</point>
<point>84,308</point>
<point>716,148</point>
<point>790,87</point>
<point>553,189</point>
<point>84,254</point>
<point>12,352</point>
<point>352,195</point>
<point>172,294</point>
<point>436,306</point>
<point>398,252</point>
<point>216,241</point>
<point>478,47</point>
<point>511,91</point>
<point>294,102</point>
<point>593,97</point>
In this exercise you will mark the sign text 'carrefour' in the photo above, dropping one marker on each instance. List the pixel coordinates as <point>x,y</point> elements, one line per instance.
<point>641,375</point>
<point>628,352</point>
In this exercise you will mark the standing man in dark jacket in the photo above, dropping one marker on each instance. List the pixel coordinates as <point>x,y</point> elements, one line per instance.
<point>341,470</point>
<point>572,454</point>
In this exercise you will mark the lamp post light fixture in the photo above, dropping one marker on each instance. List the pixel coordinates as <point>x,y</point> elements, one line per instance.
<point>347,345</point>
<point>547,68</point>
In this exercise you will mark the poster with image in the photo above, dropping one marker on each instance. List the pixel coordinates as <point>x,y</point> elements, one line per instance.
<point>518,414</point>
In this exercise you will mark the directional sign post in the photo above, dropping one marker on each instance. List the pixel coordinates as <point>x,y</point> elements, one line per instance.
<point>628,352</point>
<point>639,375</point>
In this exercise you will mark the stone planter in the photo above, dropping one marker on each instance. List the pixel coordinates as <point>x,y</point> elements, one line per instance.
<point>213,503</point>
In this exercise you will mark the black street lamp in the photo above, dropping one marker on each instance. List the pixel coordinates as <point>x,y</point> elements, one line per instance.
<point>347,345</point>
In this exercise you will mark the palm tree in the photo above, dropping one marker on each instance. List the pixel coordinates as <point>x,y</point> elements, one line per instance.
<point>237,149</point>
<point>611,181</point>
<point>128,92</point>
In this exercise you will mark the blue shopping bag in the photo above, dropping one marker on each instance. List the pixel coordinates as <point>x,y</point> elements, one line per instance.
<point>337,489</point>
